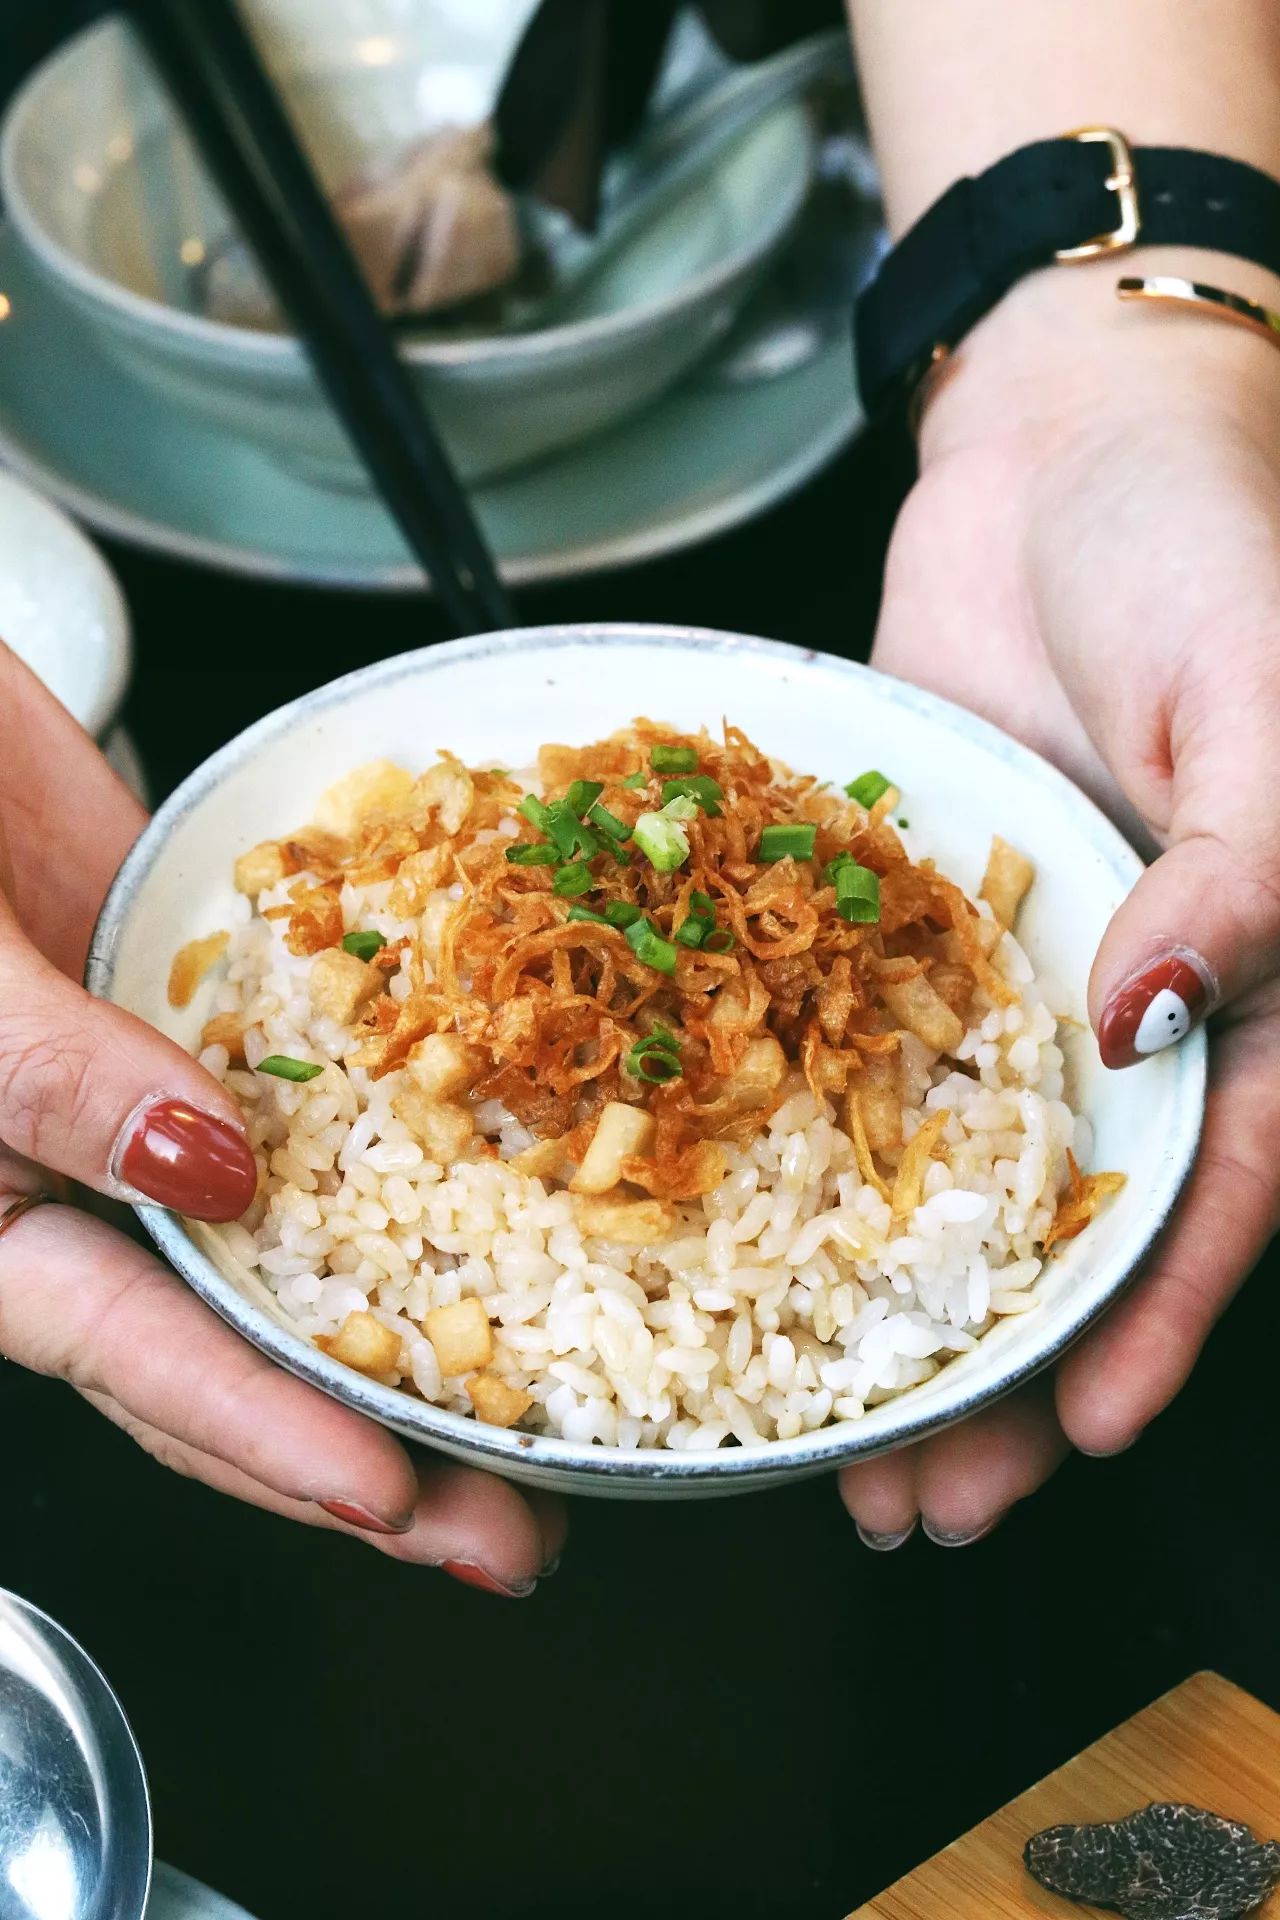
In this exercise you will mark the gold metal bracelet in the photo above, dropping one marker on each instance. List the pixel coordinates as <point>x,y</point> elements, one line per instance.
<point>1192,296</point>
<point>10,1215</point>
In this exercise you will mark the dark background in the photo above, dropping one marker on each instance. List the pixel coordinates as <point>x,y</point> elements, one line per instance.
<point>722,1709</point>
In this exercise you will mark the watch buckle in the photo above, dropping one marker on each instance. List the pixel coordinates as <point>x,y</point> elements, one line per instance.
<point>1123,182</point>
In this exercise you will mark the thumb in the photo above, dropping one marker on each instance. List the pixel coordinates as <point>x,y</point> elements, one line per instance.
<point>1202,926</point>
<point>94,1093</point>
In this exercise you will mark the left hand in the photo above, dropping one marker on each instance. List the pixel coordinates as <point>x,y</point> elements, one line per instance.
<point>83,1302</point>
<point>1091,560</point>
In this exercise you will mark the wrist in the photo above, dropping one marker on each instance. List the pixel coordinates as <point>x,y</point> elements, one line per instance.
<point>1060,347</point>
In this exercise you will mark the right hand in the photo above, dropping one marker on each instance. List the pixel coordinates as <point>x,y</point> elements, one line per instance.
<point>91,1095</point>
<point>1091,559</point>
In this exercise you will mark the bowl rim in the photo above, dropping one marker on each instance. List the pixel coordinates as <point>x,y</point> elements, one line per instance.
<point>656,1468</point>
<point>108,699</point>
<point>249,345</point>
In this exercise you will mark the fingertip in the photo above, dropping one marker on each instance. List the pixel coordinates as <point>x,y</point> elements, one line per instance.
<point>473,1519</point>
<point>972,1475</point>
<point>180,1156</point>
<point>552,1516</point>
<point>880,1496</point>
<point>1097,1407</point>
<point>1154,1007</point>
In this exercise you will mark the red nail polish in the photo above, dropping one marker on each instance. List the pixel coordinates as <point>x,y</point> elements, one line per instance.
<point>361,1517</point>
<point>1153,1010</point>
<point>472,1576</point>
<point>189,1161</point>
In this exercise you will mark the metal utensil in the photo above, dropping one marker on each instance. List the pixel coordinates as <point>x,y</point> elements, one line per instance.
<point>211,66</point>
<point>677,148</point>
<point>75,1815</point>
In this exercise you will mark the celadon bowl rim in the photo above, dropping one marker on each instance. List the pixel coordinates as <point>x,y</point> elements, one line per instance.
<point>248,345</point>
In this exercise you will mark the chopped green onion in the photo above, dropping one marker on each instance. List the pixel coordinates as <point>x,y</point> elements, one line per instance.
<point>648,945</point>
<point>364,944</point>
<point>533,853</point>
<point>720,940</point>
<point>656,1058</point>
<point>681,808</point>
<point>843,859</point>
<point>571,880</point>
<point>868,787</point>
<point>570,835</point>
<point>534,811</point>
<point>608,822</point>
<point>637,779</point>
<point>499,773</point>
<point>904,823</point>
<point>700,787</point>
<point>662,840</point>
<point>674,760</point>
<point>656,1068</point>
<point>779,841</point>
<point>285,1068</point>
<point>699,922</point>
<point>619,914</point>
<point>857,894</point>
<point>583,794</point>
<point>612,831</point>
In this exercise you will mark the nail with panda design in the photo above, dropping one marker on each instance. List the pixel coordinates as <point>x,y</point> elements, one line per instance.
<point>1156,1007</point>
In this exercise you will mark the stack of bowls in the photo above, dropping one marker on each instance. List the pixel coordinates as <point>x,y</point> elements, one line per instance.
<point>112,206</point>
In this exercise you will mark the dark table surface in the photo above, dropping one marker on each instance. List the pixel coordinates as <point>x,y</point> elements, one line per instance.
<point>722,1709</point>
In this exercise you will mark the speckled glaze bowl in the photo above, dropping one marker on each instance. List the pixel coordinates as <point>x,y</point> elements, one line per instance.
<point>495,699</point>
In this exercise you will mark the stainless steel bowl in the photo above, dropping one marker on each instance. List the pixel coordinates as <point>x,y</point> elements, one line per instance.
<point>75,1815</point>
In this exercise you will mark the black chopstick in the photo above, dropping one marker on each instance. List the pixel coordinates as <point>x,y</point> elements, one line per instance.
<point>211,67</point>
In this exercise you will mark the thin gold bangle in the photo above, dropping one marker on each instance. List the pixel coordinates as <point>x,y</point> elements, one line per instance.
<point>1194,297</point>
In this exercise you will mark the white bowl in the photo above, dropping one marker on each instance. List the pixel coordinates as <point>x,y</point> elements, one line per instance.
<point>494,699</point>
<point>60,608</point>
<point>108,198</point>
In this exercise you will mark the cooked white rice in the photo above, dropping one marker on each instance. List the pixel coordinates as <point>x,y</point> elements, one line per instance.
<point>785,1299</point>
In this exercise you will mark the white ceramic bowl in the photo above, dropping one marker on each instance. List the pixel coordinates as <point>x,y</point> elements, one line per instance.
<point>495,699</point>
<point>60,608</point>
<point>108,198</point>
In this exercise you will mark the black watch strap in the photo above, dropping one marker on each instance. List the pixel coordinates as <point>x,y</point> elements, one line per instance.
<point>1083,195</point>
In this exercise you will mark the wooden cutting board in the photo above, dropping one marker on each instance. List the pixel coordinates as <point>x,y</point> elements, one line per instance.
<point>1206,1742</point>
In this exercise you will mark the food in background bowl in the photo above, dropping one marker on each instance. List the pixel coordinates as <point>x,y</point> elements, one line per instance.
<point>110,201</point>
<point>661,1099</point>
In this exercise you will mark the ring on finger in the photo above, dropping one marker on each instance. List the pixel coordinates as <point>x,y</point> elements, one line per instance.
<point>10,1215</point>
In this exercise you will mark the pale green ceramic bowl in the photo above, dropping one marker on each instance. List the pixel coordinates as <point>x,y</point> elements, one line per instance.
<point>108,198</point>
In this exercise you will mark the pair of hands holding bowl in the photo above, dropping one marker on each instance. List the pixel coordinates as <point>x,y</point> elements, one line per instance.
<point>1100,578</point>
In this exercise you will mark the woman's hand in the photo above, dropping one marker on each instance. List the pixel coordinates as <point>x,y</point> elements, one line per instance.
<point>1091,559</point>
<point>88,1094</point>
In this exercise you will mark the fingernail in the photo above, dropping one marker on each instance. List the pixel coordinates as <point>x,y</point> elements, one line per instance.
<point>473,1576</point>
<point>940,1538</point>
<point>1108,1453</point>
<point>185,1159</point>
<point>357,1516</point>
<point>886,1542</point>
<point>1155,1007</point>
<point>552,1566</point>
